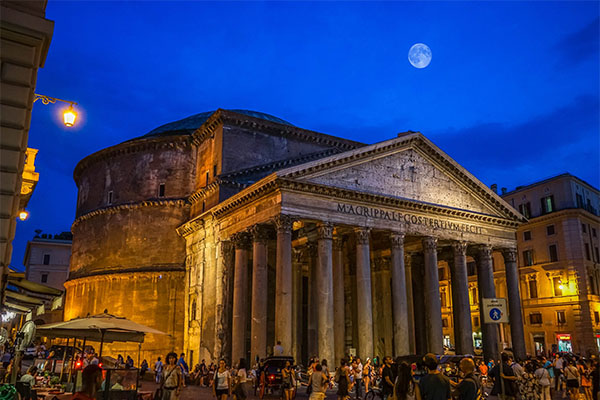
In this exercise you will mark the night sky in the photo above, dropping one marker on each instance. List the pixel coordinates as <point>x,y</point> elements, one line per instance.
<point>512,91</point>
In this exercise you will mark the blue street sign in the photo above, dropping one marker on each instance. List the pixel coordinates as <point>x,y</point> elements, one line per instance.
<point>495,314</point>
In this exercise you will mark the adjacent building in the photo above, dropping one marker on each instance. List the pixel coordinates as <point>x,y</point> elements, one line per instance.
<point>47,259</point>
<point>233,229</point>
<point>559,264</point>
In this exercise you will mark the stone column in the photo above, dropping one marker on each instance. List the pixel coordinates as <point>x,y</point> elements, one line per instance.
<point>313,315</point>
<point>240,295</point>
<point>297,306</point>
<point>324,286</point>
<point>225,270</point>
<point>514,303</point>
<point>419,315</point>
<point>461,308</point>
<point>258,324</point>
<point>363,294</point>
<point>433,307</point>
<point>339,321</point>
<point>283,284</point>
<point>410,308</point>
<point>399,298</point>
<point>487,289</point>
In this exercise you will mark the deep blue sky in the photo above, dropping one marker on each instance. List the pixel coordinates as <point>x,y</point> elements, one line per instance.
<point>512,92</point>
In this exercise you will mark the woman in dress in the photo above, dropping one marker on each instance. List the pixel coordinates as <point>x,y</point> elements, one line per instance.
<point>342,380</point>
<point>172,378</point>
<point>405,387</point>
<point>221,381</point>
<point>586,382</point>
<point>287,380</point>
<point>367,374</point>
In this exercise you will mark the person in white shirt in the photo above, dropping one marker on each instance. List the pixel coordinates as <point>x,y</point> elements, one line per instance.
<point>278,349</point>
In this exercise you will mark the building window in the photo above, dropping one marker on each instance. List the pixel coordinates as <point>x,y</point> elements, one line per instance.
<point>579,200</point>
<point>583,228</point>
<point>44,278</point>
<point>533,293</point>
<point>46,259</point>
<point>444,322</point>
<point>193,311</point>
<point>525,209</point>
<point>550,230</point>
<point>443,298</point>
<point>215,170</point>
<point>553,253</point>
<point>475,321</point>
<point>593,288</point>
<point>597,317</point>
<point>473,295</point>
<point>597,254</point>
<point>594,232</point>
<point>558,286</point>
<point>535,318</point>
<point>203,205</point>
<point>587,252</point>
<point>527,235</point>
<point>561,318</point>
<point>547,204</point>
<point>207,177</point>
<point>110,197</point>
<point>442,273</point>
<point>161,190</point>
<point>528,257</point>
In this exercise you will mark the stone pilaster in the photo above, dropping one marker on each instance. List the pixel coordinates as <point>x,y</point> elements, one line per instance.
<point>487,289</point>
<point>399,297</point>
<point>363,293</point>
<point>258,324</point>
<point>242,243</point>
<point>225,270</point>
<point>461,308</point>
<point>313,300</point>
<point>297,305</point>
<point>284,323</point>
<point>410,307</point>
<point>514,303</point>
<point>339,321</point>
<point>324,286</point>
<point>433,308</point>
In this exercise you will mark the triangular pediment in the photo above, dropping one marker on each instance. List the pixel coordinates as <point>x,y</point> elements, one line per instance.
<point>409,168</point>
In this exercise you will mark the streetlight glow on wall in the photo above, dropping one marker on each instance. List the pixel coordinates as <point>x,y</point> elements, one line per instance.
<point>69,115</point>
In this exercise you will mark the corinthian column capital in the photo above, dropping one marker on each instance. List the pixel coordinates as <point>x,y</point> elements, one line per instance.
<point>429,243</point>
<point>460,248</point>
<point>338,243</point>
<point>362,235</point>
<point>325,230</point>
<point>283,223</point>
<point>509,254</point>
<point>242,240</point>
<point>397,240</point>
<point>259,234</point>
<point>484,251</point>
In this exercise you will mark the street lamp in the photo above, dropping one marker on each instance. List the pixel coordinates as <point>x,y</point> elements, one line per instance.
<point>69,115</point>
<point>23,215</point>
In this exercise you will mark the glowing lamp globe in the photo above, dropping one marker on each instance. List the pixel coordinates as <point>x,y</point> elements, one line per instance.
<point>69,116</point>
<point>23,215</point>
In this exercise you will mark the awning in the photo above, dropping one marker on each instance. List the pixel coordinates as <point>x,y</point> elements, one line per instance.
<point>23,299</point>
<point>18,280</point>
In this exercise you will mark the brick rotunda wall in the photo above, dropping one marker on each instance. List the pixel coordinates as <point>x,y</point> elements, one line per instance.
<point>127,257</point>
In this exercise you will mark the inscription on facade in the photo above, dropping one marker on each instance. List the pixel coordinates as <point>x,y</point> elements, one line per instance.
<point>406,218</point>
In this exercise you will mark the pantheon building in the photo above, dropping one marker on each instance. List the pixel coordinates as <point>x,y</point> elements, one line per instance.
<point>232,230</point>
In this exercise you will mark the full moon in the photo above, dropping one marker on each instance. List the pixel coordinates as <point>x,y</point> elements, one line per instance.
<point>419,55</point>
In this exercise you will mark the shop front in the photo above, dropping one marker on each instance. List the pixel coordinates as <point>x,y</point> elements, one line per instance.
<point>564,342</point>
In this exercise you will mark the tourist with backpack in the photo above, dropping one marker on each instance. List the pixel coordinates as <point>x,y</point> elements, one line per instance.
<point>544,380</point>
<point>469,387</point>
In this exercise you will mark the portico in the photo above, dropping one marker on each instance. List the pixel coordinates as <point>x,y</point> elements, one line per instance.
<point>341,255</point>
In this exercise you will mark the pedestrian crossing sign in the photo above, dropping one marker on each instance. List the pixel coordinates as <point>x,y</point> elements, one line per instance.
<point>495,311</point>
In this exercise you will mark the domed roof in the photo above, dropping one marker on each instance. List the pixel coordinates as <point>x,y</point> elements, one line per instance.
<point>193,122</point>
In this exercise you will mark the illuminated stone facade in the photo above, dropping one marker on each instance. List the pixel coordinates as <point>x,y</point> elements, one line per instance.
<point>233,230</point>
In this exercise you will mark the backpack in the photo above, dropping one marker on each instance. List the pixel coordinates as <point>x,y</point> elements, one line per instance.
<point>479,395</point>
<point>544,380</point>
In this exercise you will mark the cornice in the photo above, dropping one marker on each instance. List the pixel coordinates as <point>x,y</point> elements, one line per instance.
<point>78,275</point>
<point>568,212</point>
<point>130,147</point>
<point>204,192</point>
<point>190,227</point>
<point>131,206</point>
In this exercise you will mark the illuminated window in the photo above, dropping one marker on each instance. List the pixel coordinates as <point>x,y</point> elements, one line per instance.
<point>528,257</point>
<point>550,230</point>
<point>553,253</point>
<point>535,318</point>
<point>547,204</point>
<point>46,259</point>
<point>527,235</point>
<point>473,295</point>
<point>161,190</point>
<point>558,286</point>
<point>444,322</point>
<point>597,317</point>
<point>561,318</point>
<point>533,292</point>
